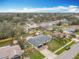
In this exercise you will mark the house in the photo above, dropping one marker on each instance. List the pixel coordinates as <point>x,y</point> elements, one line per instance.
<point>10,52</point>
<point>58,34</point>
<point>30,25</point>
<point>69,30</point>
<point>64,21</point>
<point>48,24</point>
<point>38,41</point>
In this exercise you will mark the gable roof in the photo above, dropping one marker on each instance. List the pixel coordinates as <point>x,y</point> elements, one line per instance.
<point>38,40</point>
<point>9,51</point>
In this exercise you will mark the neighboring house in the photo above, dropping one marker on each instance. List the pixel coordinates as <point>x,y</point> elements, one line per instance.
<point>58,34</point>
<point>69,30</point>
<point>10,52</point>
<point>48,24</point>
<point>75,27</point>
<point>33,25</point>
<point>64,21</point>
<point>38,41</point>
<point>30,25</point>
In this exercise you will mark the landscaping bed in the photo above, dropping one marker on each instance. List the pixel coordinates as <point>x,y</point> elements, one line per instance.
<point>5,42</point>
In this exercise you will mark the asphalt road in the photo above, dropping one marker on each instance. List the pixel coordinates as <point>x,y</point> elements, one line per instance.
<point>69,54</point>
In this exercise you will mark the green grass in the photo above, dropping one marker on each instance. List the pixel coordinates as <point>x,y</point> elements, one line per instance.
<point>53,45</point>
<point>36,55</point>
<point>77,32</point>
<point>5,42</point>
<point>33,54</point>
<point>45,33</point>
<point>26,45</point>
<point>63,49</point>
<point>77,56</point>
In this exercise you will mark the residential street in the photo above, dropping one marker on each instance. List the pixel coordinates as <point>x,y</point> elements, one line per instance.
<point>70,53</point>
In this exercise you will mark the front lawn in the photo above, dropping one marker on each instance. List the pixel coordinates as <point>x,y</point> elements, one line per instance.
<point>53,45</point>
<point>77,56</point>
<point>33,54</point>
<point>36,55</point>
<point>77,32</point>
<point>64,48</point>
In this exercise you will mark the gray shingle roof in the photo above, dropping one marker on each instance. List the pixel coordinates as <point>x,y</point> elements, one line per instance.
<point>38,40</point>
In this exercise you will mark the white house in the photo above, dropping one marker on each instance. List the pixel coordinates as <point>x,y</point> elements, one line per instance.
<point>69,30</point>
<point>9,52</point>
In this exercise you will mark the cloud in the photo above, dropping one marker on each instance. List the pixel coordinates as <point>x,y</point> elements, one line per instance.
<point>60,9</point>
<point>73,9</point>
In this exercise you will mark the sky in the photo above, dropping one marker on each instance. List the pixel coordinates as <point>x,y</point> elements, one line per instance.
<point>39,6</point>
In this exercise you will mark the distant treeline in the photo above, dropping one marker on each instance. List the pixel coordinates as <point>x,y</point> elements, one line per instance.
<point>11,24</point>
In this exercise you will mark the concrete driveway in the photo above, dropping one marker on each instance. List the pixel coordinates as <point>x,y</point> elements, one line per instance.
<point>70,53</point>
<point>48,54</point>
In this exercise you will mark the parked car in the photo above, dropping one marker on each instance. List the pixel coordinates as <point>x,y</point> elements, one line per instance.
<point>67,48</point>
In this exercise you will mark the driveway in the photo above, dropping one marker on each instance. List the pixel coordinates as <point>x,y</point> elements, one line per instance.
<point>70,53</point>
<point>48,54</point>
